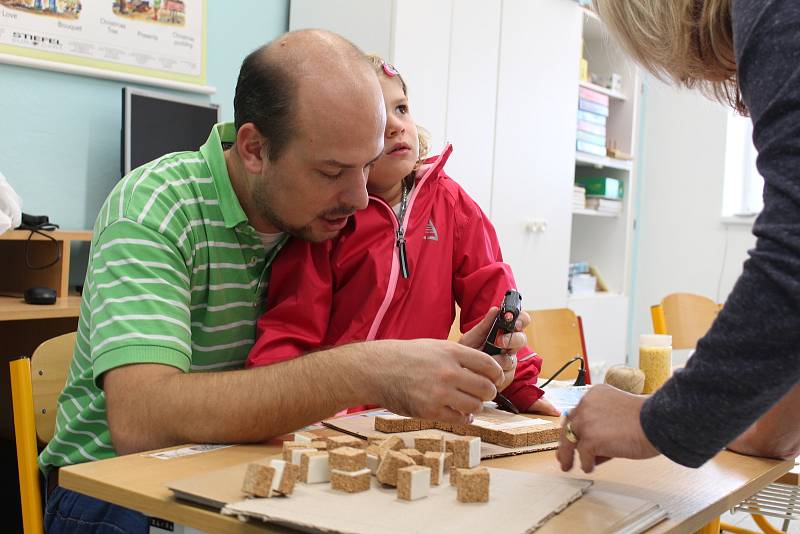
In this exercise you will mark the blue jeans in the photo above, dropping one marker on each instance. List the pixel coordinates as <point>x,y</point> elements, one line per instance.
<point>68,512</point>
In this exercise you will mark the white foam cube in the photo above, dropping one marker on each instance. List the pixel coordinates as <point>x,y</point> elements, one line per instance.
<point>298,453</point>
<point>279,466</point>
<point>373,462</point>
<point>474,452</point>
<point>305,437</point>
<point>319,469</point>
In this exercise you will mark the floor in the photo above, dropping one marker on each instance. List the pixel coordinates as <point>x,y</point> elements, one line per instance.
<point>741,519</point>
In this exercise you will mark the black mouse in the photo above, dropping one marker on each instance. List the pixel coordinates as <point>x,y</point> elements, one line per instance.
<point>40,295</point>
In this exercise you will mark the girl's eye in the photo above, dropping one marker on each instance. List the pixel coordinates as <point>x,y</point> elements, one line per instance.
<point>403,109</point>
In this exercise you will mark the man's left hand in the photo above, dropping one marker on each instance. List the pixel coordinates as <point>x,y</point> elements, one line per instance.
<point>606,425</point>
<point>511,343</point>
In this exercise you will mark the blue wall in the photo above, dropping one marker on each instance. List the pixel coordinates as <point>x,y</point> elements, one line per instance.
<point>60,133</point>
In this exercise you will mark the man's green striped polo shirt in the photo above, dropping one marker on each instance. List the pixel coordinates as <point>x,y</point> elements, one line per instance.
<point>175,277</point>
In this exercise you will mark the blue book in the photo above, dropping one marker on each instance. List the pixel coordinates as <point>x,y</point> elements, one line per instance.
<point>599,140</point>
<point>593,107</point>
<point>592,117</point>
<point>591,149</point>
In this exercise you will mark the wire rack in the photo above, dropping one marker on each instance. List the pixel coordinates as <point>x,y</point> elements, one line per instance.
<point>776,500</point>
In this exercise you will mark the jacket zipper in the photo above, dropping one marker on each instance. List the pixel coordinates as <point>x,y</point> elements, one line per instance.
<point>400,250</point>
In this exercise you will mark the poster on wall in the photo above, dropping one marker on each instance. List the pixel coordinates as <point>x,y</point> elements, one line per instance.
<point>160,42</point>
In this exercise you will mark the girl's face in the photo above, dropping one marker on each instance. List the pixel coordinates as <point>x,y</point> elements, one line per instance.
<point>401,143</point>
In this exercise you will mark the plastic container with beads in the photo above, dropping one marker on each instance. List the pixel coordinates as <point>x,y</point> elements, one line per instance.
<point>655,359</point>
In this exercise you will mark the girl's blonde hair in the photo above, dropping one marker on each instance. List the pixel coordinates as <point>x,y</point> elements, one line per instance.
<point>689,42</point>
<point>422,135</point>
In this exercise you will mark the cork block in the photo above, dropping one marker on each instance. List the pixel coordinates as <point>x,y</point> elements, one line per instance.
<point>296,454</point>
<point>346,441</point>
<point>391,424</point>
<point>414,454</point>
<point>458,428</point>
<point>387,470</point>
<point>427,424</point>
<point>466,451</point>
<point>376,439</point>
<point>315,467</point>
<point>288,446</point>
<point>411,425</point>
<point>348,459</point>
<point>445,427</point>
<point>320,445</point>
<point>435,461</point>
<point>454,476</point>
<point>473,485</point>
<point>515,437</point>
<point>394,443</point>
<point>286,475</point>
<point>258,480</point>
<point>429,442</point>
<point>351,481</point>
<point>488,435</point>
<point>544,434</point>
<point>413,482</point>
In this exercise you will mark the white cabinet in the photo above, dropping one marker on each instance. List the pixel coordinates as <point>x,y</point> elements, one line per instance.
<point>499,79</point>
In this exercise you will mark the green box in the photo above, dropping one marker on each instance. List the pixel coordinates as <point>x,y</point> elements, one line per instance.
<point>602,187</point>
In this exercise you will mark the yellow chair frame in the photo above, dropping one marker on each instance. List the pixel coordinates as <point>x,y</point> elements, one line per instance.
<point>34,397</point>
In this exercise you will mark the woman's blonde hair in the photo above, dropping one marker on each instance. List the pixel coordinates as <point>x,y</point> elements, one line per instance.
<point>689,42</point>
<point>422,135</point>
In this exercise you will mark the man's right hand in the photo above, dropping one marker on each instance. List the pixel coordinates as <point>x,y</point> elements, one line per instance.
<point>432,379</point>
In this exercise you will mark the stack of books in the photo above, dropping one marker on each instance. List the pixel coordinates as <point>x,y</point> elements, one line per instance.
<point>604,205</point>
<point>592,119</point>
<point>578,198</point>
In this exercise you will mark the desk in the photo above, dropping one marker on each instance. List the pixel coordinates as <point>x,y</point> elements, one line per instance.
<point>691,497</point>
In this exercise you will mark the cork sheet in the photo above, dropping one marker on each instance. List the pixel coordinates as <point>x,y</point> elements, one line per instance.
<point>519,502</point>
<point>362,424</point>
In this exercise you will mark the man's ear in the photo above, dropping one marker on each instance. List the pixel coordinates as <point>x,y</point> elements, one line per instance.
<point>249,146</point>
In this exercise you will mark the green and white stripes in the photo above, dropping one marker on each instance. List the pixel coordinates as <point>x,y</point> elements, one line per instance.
<point>174,278</point>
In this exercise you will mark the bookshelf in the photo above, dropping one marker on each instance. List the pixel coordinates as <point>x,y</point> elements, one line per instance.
<point>596,238</point>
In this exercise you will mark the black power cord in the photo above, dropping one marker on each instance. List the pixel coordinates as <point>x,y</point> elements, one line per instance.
<point>38,224</point>
<point>580,380</point>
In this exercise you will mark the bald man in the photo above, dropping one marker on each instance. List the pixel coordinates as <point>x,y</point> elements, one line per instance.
<point>180,261</point>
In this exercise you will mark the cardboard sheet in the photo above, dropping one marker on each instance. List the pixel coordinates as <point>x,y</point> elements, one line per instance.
<point>519,502</point>
<point>362,424</point>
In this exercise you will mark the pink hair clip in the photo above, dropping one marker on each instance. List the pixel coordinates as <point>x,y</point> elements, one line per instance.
<point>389,70</point>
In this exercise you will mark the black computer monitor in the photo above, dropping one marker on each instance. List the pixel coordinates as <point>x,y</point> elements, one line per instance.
<point>154,124</point>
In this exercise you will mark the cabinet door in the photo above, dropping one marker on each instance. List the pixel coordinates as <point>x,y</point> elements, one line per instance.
<point>472,96</point>
<point>368,23</point>
<point>535,143</point>
<point>421,52</point>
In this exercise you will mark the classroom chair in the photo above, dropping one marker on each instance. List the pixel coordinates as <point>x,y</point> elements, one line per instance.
<point>684,316</point>
<point>687,318</point>
<point>36,383</point>
<point>557,336</point>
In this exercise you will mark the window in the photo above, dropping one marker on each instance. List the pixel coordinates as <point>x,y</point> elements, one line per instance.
<point>743,186</point>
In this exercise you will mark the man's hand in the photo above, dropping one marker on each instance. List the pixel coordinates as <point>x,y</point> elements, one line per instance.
<point>433,379</point>
<point>511,343</point>
<point>606,425</point>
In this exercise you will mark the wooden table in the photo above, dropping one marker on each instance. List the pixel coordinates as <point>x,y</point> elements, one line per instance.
<point>691,497</point>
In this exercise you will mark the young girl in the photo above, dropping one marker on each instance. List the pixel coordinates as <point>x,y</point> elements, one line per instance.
<point>399,265</point>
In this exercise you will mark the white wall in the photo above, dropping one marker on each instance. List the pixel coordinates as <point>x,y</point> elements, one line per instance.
<point>681,239</point>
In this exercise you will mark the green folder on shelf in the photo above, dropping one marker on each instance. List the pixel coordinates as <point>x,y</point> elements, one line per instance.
<point>602,187</point>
